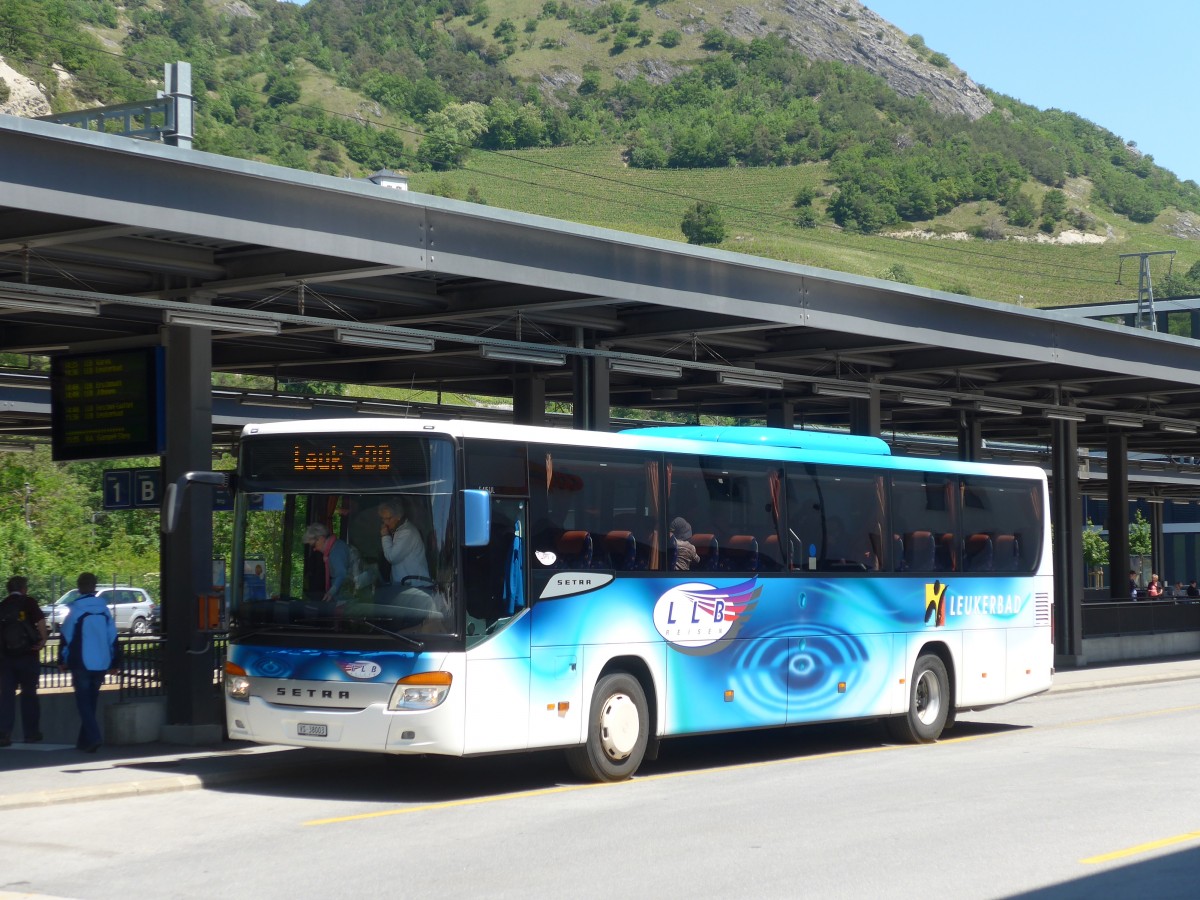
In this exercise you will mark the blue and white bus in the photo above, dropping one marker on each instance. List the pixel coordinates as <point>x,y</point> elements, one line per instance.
<point>602,592</point>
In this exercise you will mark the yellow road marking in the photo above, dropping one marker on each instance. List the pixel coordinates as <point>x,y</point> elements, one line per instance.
<point>562,789</point>
<point>1142,848</point>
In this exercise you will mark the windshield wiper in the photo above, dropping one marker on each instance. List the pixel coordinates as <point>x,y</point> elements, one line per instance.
<point>420,645</point>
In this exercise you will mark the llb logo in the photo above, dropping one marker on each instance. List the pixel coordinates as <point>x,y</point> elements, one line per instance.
<point>935,603</point>
<point>698,616</point>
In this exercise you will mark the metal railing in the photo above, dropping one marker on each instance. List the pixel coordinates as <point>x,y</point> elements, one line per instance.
<point>141,671</point>
<point>1120,617</point>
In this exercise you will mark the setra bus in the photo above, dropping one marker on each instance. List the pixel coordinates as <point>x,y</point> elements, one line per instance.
<point>602,592</point>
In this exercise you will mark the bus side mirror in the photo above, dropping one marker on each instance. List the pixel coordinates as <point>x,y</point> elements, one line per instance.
<point>173,496</point>
<point>477,518</point>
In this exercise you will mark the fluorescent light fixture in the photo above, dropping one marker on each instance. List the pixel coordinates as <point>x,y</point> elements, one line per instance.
<point>652,369</point>
<point>1065,414</point>
<point>219,322</point>
<point>999,407</point>
<point>1155,500</point>
<point>67,305</point>
<point>924,400</point>
<point>1177,427</point>
<point>850,393</point>
<point>370,339</point>
<point>379,408</point>
<point>1122,422</point>
<point>523,355</point>
<point>278,401</point>
<point>764,382</point>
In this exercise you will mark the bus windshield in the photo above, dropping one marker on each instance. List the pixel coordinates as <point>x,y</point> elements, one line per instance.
<point>362,551</point>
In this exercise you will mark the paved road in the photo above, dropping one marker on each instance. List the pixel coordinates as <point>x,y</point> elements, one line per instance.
<point>1085,791</point>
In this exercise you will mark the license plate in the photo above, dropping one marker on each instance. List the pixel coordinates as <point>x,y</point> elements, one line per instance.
<point>306,730</point>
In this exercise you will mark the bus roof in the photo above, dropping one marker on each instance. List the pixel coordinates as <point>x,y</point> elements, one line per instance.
<point>769,437</point>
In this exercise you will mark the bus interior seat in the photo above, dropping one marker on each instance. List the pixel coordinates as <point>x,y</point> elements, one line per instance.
<point>945,559</point>
<point>740,554</point>
<point>708,550</point>
<point>769,557</point>
<point>898,561</point>
<point>574,550</point>
<point>621,549</point>
<point>1007,554</point>
<point>919,551</point>
<point>978,553</point>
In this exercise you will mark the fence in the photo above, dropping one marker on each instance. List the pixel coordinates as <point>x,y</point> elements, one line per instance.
<point>1126,617</point>
<point>141,670</point>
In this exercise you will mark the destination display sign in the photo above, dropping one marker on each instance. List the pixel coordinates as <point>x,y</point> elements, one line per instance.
<point>106,405</point>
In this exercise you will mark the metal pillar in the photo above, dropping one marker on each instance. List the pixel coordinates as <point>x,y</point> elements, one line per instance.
<point>1118,514</point>
<point>177,81</point>
<point>193,714</point>
<point>865,418</point>
<point>591,409</point>
<point>529,401</point>
<point>781,414</point>
<point>1067,518</point>
<point>970,438</point>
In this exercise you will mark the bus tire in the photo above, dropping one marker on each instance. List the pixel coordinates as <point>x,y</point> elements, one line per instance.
<point>618,731</point>
<point>929,703</point>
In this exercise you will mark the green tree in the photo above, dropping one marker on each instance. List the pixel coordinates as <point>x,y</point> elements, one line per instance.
<point>450,133</point>
<point>1095,547</point>
<point>703,224</point>
<point>1054,205</point>
<point>1140,543</point>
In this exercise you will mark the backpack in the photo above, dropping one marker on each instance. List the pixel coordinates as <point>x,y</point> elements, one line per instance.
<point>18,635</point>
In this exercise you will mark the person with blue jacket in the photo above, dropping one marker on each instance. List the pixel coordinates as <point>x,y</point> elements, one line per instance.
<point>89,648</point>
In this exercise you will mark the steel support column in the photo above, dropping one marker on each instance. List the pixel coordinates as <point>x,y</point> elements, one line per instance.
<point>970,438</point>
<point>864,415</point>
<point>187,554</point>
<point>1118,513</point>
<point>529,401</point>
<point>590,410</point>
<point>1067,518</point>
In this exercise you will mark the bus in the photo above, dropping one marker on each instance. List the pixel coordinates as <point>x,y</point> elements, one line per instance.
<point>602,592</point>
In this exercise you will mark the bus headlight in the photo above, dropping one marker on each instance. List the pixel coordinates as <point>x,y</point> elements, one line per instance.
<point>237,685</point>
<point>423,691</point>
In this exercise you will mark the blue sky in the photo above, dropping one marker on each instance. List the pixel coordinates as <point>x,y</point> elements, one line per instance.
<point>1132,68</point>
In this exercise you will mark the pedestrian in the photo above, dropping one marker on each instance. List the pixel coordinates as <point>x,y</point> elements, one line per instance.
<point>1133,585</point>
<point>22,637</point>
<point>89,648</point>
<point>1193,590</point>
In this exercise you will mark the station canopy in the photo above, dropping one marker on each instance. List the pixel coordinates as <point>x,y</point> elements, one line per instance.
<point>105,240</point>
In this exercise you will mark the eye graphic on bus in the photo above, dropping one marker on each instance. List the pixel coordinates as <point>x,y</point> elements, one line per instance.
<point>935,603</point>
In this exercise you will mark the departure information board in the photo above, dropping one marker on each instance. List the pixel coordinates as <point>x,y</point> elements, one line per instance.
<point>105,405</point>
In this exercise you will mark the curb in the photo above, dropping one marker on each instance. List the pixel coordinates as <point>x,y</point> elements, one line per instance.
<point>149,786</point>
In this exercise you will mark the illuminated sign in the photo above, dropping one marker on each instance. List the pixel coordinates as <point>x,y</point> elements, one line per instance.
<point>348,457</point>
<point>105,405</point>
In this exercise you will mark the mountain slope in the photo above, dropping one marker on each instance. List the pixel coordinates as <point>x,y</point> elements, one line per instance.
<point>820,133</point>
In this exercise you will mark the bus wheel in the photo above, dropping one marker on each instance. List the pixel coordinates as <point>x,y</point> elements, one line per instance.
<point>928,704</point>
<point>618,731</point>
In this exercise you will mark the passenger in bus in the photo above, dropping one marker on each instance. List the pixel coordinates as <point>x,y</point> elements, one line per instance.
<point>685,551</point>
<point>335,558</point>
<point>403,546</point>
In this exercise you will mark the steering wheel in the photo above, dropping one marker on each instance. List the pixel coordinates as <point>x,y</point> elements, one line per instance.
<point>418,581</point>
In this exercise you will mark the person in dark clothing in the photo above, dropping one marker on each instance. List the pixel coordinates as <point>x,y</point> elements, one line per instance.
<point>21,669</point>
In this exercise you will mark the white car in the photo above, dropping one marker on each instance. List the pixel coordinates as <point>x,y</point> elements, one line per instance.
<point>132,608</point>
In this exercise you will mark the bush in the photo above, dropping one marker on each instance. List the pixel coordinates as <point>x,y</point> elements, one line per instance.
<point>804,197</point>
<point>806,217</point>
<point>702,224</point>
<point>897,272</point>
<point>941,60</point>
<point>5,91</point>
<point>670,38</point>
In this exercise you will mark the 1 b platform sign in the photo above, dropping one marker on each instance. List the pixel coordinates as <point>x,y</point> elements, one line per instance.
<point>105,405</point>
